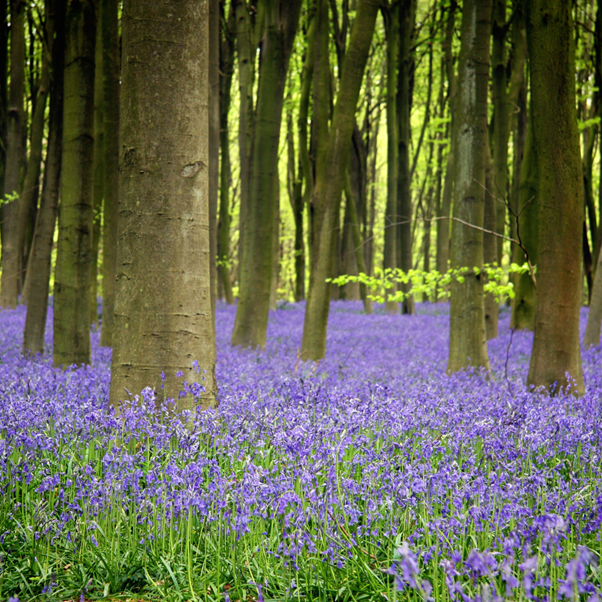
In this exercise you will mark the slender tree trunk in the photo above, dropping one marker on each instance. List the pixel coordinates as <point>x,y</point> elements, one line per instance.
<point>214,143</point>
<point>556,349</point>
<point>295,194</point>
<point>391,217</point>
<point>501,119</point>
<point>249,28</point>
<point>407,10</point>
<point>523,304</point>
<point>467,343</point>
<point>490,248</point>
<point>99,166</point>
<point>111,64</point>
<point>257,231</point>
<point>226,71</point>
<point>11,237</point>
<point>41,252</point>
<point>163,319</point>
<point>444,225</point>
<point>594,318</point>
<point>4,29</point>
<point>74,251</point>
<point>330,178</point>
<point>358,245</point>
<point>29,196</point>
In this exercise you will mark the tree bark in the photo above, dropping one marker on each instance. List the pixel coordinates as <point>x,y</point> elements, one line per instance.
<point>330,181</point>
<point>391,218</point>
<point>257,229</point>
<point>556,349</point>
<point>74,250</point>
<point>523,304</point>
<point>214,143</point>
<point>163,319</point>
<point>407,10</point>
<point>41,250</point>
<point>11,237</point>
<point>443,225</point>
<point>467,343</point>
<point>29,196</point>
<point>111,64</point>
<point>490,248</point>
<point>226,71</point>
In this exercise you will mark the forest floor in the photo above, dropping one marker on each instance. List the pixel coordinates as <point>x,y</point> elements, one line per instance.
<point>369,476</point>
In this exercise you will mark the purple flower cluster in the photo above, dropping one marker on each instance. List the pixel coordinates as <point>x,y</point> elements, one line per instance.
<point>462,487</point>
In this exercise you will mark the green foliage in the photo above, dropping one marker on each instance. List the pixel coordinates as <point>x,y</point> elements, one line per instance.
<point>9,198</point>
<point>433,284</point>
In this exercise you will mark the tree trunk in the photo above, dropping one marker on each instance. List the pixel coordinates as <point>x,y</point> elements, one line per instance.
<point>29,196</point>
<point>594,318</point>
<point>11,237</point>
<point>330,179</point>
<point>391,218</point>
<point>501,119</point>
<point>4,30</point>
<point>523,304</point>
<point>556,349</point>
<point>99,166</point>
<point>111,64</point>
<point>39,266</point>
<point>467,343</point>
<point>74,251</point>
<point>163,319</point>
<point>226,71</point>
<point>214,142</point>
<point>295,194</point>
<point>407,10</point>
<point>443,225</point>
<point>490,248</point>
<point>257,229</point>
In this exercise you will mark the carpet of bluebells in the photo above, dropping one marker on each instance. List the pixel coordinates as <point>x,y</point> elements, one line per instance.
<point>369,476</point>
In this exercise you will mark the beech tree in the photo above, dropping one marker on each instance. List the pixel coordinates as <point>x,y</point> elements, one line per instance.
<point>258,219</point>
<point>163,330</point>
<point>467,324</point>
<point>556,356</point>
<point>330,178</point>
<point>74,250</point>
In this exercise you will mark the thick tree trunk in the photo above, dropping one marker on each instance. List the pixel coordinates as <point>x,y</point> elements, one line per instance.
<point>74,251</point>
<point>330,179</point>
<point>523,304</point>
<point>163,320</point>
<point>556,349</point>
<point>111,64</point>
<point>467,344</point>
<point>11,237</point>
<point>4,29</point>
<point>39,265</point>
<point>257,229</point>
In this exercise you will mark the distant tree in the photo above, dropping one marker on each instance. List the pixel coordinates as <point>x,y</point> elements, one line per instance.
<point>16,120</point>
<point>330,179</point>
<point>163,318</point>
<point>467,345</point>
<point>111,67</point>
<point>556,349</point>
<point>39,266</point>
<point>258,217</point>
<point>74,248</point>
